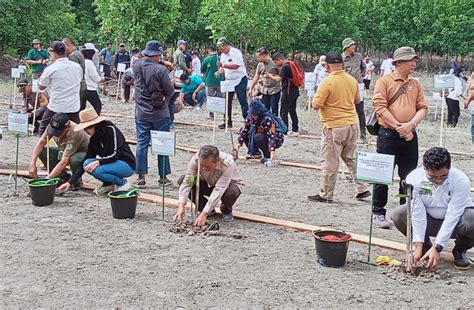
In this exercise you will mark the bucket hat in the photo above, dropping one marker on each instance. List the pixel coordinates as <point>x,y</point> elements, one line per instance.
<point>153,48</point>
<point>88,118</point>
<point>36,41</point>
<point>404,53</point>
<point>347,42</point>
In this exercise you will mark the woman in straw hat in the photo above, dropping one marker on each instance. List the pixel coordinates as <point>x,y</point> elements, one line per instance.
<point>109,158</point>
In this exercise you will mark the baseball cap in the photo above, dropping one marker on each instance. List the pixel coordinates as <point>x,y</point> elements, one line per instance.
<point>58,47</point>
<point>181,42</point>
<point>57,124</point>
<point>333,58</point>
<point>122,45</point>
<point>222,41</point>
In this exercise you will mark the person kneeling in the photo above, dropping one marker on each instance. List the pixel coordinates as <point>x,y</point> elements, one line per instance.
<point>441,208</point>
<point>108,158</point>
<point>71,149</point>
<point>219,179</point>
<point>260,133</point>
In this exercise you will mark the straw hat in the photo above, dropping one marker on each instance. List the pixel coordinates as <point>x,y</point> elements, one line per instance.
<point>88,118</point>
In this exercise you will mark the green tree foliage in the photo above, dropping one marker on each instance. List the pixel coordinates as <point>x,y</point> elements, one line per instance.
<point>191,26</point>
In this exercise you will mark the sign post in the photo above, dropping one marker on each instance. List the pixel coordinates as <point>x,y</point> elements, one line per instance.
<point>16,73</point>
<point>309,84</point>
<point>163,143</point>
<point>216,105</point>
<point>35,89</point>
<point>18,125</point>
<point>120,69</point>
<point>228,86</point>
<point>443,81</point>
<point>374,168</point>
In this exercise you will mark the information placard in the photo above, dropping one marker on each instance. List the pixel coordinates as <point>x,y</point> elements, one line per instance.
<point>22,68</point>
<point>311,93</point>
<point>16,73</point>
<point>121,67</point>
<point>437,96</point>
<point>163,143</point>
<point>18,123</point>
<point>444,81</point>
<point>310,77</point>
<point>228,86</point>
<point>101,69</point>
<point>34,85</point>
<point>374,167</point>
<point>216,104</point>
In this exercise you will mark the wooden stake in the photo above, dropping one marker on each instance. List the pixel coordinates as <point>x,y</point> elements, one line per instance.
<point>34,111</point>
<point>47,154</point>
<point>118,87</point>
<point>198,186</point>
<point>226,118</point>
<point>441,126</point>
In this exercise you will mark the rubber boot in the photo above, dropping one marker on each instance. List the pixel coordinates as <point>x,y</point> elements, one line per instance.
<point>461,260</point>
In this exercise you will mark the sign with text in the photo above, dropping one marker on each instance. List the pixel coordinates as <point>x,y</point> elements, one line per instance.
<point>216,104</point>
<point>374,167</point>
<point>311,93</point>
<point>101,69</point>
<point>18,123</point>
<point>437,96</point>
<point>228,86</point>
<point>16,73</point>
<point>121,67</point>
<point>163,143</point>
<point>310,77</point>
<point>34,85</point>
<point>444,81</point>
<point>22,68</point>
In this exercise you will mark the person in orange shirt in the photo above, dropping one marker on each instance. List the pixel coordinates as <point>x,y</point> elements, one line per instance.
<point>398,121</point>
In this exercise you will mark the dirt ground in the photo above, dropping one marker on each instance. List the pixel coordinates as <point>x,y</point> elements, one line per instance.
<point>74,254</point>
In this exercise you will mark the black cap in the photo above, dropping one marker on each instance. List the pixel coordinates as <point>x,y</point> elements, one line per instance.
<point>57,125</point>
<point>58,47</point>
<point>333,58</point>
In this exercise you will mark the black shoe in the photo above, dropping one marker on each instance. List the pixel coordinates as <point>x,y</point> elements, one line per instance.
<point>461,260</point>
<point>222,126</point>
<point>318,198</point>
<point>363,195</point>
<point>77,186</point>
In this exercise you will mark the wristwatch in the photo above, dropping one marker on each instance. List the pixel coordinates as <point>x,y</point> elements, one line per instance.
<point>414,123</point>
<point>438,248</point>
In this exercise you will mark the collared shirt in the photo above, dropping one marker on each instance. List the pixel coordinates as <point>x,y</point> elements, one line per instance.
<point>92,77</point>
<point>63,77</point>
<point>369,68</point>
<point>445,202</point>
<point>234,57</point>
<point>321,73</point>
<point>196,65</point>
<point>178,60</point>
<point>78,58</point>
<point>456,92</point>
<point>387,66</point>
<point>209,68</point>
<point>268,85</point>
<point>219,178</point>
<point>71,142</point>
<point>122,57</point>
<point>194,82</point>
<point>354,65</point>
<point>406,106</point>
<point>336,98</point>
<point>107,55</point>
<point>35,54</point>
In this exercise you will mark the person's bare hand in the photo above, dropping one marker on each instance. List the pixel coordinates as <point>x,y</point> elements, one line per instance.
<point>65,187</point>
<point>404,129</point>
<point>33,170</point>
<point>201,220</point>
<point>409,136</point>
<point>250,93</point>
<point>194,96</point>
<point>91,166</point>
<point>180,213</point>
<point>433,257</point>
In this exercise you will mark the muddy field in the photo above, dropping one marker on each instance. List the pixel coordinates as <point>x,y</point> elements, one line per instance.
<point>74,254</point>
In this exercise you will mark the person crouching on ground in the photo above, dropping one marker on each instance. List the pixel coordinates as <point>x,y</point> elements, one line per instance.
<point>220,180</point>
<point>193,90</point>
<point>108,158</point>
<point>441,208</point>
<point>260,133</point>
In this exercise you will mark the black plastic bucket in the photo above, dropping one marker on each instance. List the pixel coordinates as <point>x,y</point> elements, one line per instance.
<point>331,253</point>
<point>42,194</point>
<point>123,207</point>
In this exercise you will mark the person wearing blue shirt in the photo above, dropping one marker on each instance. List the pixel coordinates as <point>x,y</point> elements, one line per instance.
<point>193,90</point>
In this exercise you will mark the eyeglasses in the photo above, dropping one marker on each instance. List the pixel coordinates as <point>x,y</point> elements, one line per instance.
<point>436,177</point>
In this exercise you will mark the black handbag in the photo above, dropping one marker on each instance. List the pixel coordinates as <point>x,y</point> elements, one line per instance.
<point>372,123</point>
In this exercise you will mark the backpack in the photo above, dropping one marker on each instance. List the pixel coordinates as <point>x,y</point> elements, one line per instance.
<point>280,126</point>
<point>297,74</point>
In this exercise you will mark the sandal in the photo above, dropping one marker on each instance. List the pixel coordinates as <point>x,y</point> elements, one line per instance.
<point>140,183</point>
<point>250,156</point>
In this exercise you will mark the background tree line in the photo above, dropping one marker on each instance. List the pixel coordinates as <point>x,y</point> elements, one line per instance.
<point>308,27</point>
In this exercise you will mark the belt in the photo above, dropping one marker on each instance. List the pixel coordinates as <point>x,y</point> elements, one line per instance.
<point>390,133</point>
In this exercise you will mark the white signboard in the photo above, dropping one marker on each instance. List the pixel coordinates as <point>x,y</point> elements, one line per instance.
<point>444,81</point>
<point>310,77</point>
<point>22,68</point>
<point>375,167</point>
<point>101,69</point>
<point>34,85</point>
<point>163,143</point>
<point>18,123</point>
<point>16,73</point>
<point>311,93</point>
<point>228,86</point>
<point>309,85</point>
<point>437,96</point>
<point>216,104</point>
<point>121,67</point>
<point>178,72</point>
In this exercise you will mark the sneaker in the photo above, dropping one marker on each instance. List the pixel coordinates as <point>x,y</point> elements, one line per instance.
<point>381,221</point>
<point>293,133</point>
<point>362,195</point>
<point>77,186</point>
<point>124,187</point>
<point>265,160</point>
<point>222,126</point>
<point>164,181</point>
<point>253,156</point>
<point>461,260</point>
<point>104,189</point>
<point>140,183</point>
<point>318,198</point>
<point>197,109</point>
<point>227,217</point>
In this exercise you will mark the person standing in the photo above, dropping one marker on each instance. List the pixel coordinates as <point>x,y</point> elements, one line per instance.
<point>37,58</point>
<point>74,55</point>
<point>468,100</point>
<point>369,69</point>
<point>336,98</point>
<point>354,65</point>
<point>178,57</point>
<point>63,77</point>
<point>232,65</point>
<point>208,69</point>
<point>399,103</point>
<point>122,56</point>
<point>196,64</point>
<point>136,54</point>
<point>106,62</point>
<point>454,96</point>
<point>321,70</point>
<point>269,88</point>
<point>387,65</point>
<point>289,93</point>
<point>454,65</point>
<point>92,78</point>
<point>153,89</point>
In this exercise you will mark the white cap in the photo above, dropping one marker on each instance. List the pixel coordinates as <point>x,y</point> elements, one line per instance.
<point>89,46</point>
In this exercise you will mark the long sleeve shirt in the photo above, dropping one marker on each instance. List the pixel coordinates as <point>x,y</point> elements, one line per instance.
<point>456,92</point>
<point>91,76</point>
<point>445,202</point>
<point>267,126</point>
<point>219,178</point>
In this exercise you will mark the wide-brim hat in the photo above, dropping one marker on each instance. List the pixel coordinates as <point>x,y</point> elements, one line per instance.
<point>153,48</point>
<point>347,42</point>
<point>36,41</point>
<point>88,117</point>
<point>404,53</point>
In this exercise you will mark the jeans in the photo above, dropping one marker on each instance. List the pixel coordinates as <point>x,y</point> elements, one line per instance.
<point>113,173</point>
<point>260,142</point>
<point>453,111</point>
<point>472,128</point>
<point>406,158</point>
<point>361,114</point>
<point>288,105</point>
<point>143,140</point>
<point>241,91</point>
<point>75,161</point>
<point>272,102</point>
<point>200,98</point>
<point>48,114</point>
<point>93,97</point>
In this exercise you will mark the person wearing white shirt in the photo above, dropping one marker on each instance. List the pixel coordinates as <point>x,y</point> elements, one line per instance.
<point>63,77</point>
<point>453,98</point>
<point>196,64</point>
<point>369,68</point>
<point>92,78</point>
<point>441,208</point>
<point>387,65</point>
<point>232,65</point>
<point>321,70</point>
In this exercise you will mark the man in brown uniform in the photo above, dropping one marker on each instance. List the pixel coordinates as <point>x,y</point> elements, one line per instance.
<point>398,120</point>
